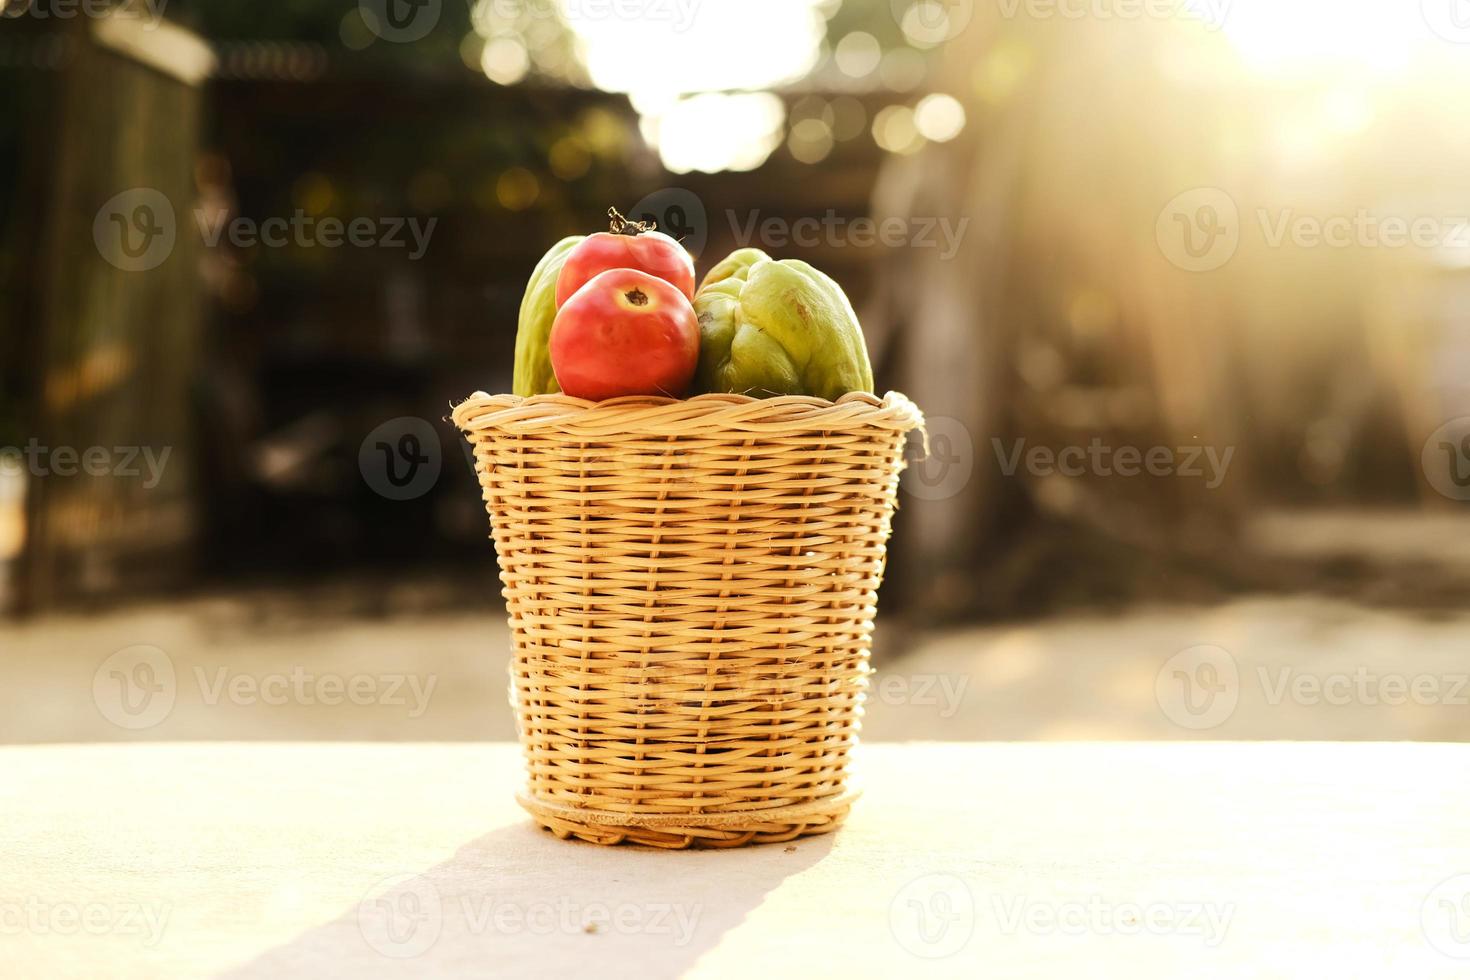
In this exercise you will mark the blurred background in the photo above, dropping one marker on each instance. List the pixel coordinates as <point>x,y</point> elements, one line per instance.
<point>1182,285</point>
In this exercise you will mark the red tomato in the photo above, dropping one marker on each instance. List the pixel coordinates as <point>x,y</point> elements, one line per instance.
<point>625,333</point>
<point>627,246</point>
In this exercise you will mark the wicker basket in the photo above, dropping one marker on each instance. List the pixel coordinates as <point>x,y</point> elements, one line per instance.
<point>691,588</point>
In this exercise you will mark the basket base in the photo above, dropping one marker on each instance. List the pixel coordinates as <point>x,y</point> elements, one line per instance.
<point>677,832</point>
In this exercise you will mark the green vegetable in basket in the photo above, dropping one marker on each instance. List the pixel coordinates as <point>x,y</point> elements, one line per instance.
<point>533,374</point>
<point>772,327</point>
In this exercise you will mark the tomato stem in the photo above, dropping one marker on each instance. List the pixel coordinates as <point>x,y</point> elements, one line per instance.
<point>624,226</point>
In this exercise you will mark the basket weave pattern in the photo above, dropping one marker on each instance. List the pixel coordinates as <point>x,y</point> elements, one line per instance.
<point>691,588</point>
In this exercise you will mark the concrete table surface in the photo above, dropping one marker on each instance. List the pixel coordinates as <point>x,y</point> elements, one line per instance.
<point>383,860</point>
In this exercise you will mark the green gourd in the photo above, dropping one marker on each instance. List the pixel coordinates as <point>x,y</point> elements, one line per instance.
<point>772,327</point>
<point>533,373</point>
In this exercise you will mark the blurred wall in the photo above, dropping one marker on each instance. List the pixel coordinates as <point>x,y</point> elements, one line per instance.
<point>112,359</point>
<point>1071,314</point>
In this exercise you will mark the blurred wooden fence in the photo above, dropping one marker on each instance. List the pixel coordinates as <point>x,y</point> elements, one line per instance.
<point>116,315</point>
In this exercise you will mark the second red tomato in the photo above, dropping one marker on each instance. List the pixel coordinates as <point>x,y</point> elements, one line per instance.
<point>629,246</point>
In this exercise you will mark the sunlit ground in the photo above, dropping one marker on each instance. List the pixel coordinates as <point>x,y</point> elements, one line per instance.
<point>434,666</point>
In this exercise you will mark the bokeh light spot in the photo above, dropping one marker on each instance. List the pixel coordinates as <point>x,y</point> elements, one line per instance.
<point>939,117</point>
<point>858,54</point>
<point>517,189</point>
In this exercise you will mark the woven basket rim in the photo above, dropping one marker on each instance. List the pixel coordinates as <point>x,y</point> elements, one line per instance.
<point>675,416</point>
